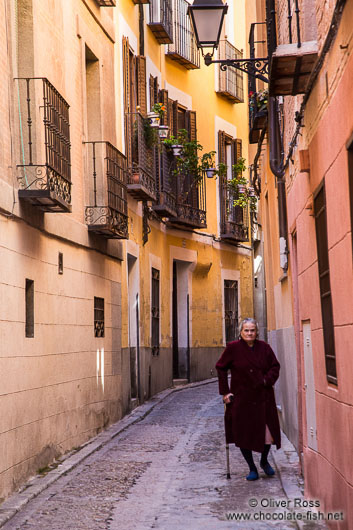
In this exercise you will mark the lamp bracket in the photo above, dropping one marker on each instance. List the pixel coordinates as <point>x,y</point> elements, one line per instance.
<point>257,68</point>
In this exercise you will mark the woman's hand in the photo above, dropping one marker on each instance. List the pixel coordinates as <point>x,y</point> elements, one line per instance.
<point>228,398</point>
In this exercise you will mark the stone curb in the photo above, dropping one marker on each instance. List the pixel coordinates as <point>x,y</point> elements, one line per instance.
<point>69,461</point>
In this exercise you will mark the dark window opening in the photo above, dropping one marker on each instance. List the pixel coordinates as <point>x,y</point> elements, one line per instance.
<point>325,287</point>
<point>29,308</point>
<point>230,309</point>
<point>98,317</point>
<point>155,312</point>
<point>60,263</point>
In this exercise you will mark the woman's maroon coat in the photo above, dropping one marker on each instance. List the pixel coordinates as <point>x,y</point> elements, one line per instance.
<point>253,373</point>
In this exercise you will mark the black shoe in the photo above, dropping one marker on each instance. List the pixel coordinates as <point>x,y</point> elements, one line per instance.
<point>268,469</point>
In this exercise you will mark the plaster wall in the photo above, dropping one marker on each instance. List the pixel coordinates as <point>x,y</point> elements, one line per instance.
<point>329,125</point>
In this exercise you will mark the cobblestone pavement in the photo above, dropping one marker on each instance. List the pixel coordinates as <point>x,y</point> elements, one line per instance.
<point>166,471</point>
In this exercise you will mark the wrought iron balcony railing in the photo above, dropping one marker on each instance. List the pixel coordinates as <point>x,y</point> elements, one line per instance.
<point>107,214</point>
<point>184,49</point>
<point>44,130</point>
<point>161,20</point>
<point>140,158</point>
<point>106,3</point>
<point>190,201</point>
<point>165,204</point>
<point>230,80</point>
<point>257,117</point>
<point>234,219</point>
<point>291,58</point>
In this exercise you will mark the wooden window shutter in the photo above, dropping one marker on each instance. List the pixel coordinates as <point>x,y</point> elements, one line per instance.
<point>126,73</point>
<point>191,125</point>
<point>141,84</point>
<point>174,131</point>
<point>163,98</point>
<point>222,147</point>
<point>151,87</point>
<point>170,116</point>
<point>238,149</point>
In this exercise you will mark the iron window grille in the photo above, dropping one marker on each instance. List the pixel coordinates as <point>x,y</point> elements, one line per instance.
<point>231,79</point>
<point>45,171</point>
<point>183,50</point>
<point>155,311</point>
<point>108,213</point>
<point>325,285</point>
<point>230,309</point>
<point>98,317</point>
<point>161,20</point>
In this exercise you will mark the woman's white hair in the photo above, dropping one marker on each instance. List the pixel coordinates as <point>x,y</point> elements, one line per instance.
<point>249,321</point>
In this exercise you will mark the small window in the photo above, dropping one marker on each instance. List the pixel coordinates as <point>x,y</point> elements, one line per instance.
<point>230,309</point>
<point>98,317</point>
<point>60,263</point>
<point>325,285</point>
<point>155,312</point>
<point>29,308</point>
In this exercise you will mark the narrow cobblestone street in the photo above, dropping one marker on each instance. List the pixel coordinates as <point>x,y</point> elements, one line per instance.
<point>165,471</point>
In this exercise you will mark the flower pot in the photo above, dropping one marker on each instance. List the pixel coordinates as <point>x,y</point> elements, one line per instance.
<point>210,172</point>
<point>154,119</point>
<point>241,188</point>
<point>251,192</point>
<point>177,150</point>
<point>163,131</point>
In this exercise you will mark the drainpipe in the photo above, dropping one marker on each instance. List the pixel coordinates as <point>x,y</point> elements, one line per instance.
<point>278,169</point>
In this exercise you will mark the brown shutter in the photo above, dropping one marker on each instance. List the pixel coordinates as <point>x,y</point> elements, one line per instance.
<point>221,147</point>
<point>175,118</point>
<point>191,125</point>
<point>163,98</point>
<point>151,87</point>
<point>238,149</point>
<point>170,116</point>
<point>141,84</point>
<point>126,73</point>
<point>127,96</point>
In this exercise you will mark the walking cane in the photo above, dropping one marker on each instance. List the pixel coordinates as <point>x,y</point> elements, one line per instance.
<point>227,444</point>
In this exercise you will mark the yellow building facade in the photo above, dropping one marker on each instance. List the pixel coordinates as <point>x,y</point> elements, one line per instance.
<point>118,274</point>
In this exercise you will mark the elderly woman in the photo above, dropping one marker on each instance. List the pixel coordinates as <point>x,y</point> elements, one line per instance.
<point>251,420</point>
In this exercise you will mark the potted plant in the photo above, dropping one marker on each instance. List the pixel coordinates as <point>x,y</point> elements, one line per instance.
<point>174,145</point>
<point>156,114</point>
<point>262,99</point>
<point>163,131</point>
<point>207,163</point>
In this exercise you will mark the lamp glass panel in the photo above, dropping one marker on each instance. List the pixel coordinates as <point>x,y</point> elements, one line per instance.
<point>207,22</point>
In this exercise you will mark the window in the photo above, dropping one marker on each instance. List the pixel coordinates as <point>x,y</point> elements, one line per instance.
<point>183,49</point>
<point>234,219</point>
<point>325,287</point>
<point>230,309</point>
<point>29,308</point>
<point>155,312</point>
<point>98,317</point>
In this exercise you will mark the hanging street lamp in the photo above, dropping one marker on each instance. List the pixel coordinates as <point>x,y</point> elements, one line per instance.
<point>207,19</point>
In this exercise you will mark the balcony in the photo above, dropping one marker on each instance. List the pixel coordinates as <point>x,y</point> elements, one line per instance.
<point>161,21</point>
<point>234,219</point>
<point>291,61</point>
<point>106,3</point>
<point>230,81</point>
<point>257,117</point>
<point>140,157</point>
<point>166,192</point>
<point>183,50</point>
<point>108,214</point>
<point>190,202</point>
<point>44,130</point>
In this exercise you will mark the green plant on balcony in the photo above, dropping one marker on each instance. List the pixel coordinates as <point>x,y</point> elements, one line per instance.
<point>244,196</point>
<point>159,109</point>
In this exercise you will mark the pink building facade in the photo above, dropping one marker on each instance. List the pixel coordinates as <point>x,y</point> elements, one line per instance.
<point>316,110</point>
